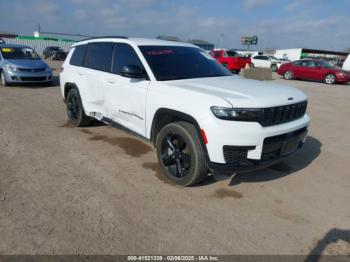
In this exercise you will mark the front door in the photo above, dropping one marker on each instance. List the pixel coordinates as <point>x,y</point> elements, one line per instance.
<point>126,97</point>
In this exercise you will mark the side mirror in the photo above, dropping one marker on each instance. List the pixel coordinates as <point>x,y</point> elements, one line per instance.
<point>132,71</point>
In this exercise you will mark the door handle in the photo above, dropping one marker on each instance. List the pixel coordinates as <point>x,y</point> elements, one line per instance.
<point>111,82</point>
<point>81,74</point>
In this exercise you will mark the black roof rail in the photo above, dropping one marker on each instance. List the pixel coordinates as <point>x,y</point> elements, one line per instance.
<point>101,37</point>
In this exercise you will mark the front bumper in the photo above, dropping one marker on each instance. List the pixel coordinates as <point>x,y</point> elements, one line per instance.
<point>28,77</point>
<point>275,149</point>
<point>250,136</point>
<point>343,78</point>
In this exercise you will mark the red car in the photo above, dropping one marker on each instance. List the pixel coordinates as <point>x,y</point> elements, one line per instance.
<point>316,70</point>
<point>230,59</point>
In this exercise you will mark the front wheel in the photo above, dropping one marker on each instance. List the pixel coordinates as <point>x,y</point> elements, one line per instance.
<point>180,154</point>
<point>3,79</point>
<point>75,110</point>
<point>330,79</point>
<point>288,75</point>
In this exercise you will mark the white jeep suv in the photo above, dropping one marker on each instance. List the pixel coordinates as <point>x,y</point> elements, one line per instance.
<point>199,116</point>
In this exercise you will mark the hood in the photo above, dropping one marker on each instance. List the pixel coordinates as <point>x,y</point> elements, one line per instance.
<point>240,92</point>
<point>27,63</point>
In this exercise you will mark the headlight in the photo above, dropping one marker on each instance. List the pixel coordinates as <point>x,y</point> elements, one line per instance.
<point>11,68</point>
<point>238,114</point>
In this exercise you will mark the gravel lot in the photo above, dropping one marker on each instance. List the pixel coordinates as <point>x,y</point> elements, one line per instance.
<point>98,190</point>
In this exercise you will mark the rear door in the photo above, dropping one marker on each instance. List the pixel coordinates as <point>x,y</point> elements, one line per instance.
<point>126,97</point>
<point>98,65</point>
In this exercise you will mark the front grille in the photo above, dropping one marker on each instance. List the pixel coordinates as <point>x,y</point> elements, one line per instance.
<point>31,69</point>
<point>41,78</point>
<point>282,114</point>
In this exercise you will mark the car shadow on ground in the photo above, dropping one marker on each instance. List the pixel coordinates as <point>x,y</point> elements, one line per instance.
<point>332,237</point>
<point>300,160</point>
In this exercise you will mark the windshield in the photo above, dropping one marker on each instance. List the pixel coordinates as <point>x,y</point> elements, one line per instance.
<point>232,54</point>
<point>19,53</point>
<point>179,62</point>
<point>56,49</point>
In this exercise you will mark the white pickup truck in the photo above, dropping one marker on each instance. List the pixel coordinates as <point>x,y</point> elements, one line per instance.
<point>199,116</point>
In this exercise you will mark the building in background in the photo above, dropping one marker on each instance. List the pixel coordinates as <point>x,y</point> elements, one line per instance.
<point>202,44</point>
<point>334,57</point>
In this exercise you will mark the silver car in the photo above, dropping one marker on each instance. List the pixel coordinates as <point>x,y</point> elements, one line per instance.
<point>21,64</point>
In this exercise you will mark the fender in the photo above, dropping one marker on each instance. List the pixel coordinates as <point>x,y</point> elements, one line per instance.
<point>177,115</point>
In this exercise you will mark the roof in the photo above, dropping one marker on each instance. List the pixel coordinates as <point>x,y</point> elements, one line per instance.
<point>169,38</point>
<point>136,41</point>
<point>199,42</point>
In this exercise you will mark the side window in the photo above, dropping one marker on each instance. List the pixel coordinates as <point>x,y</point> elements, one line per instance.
<point>297,63</point>
<point>265,58</point>
<point>77,58</point>
<point>124,55</point>
<point>99,56</point>
<point>311,63</point>
<point>217,54</point>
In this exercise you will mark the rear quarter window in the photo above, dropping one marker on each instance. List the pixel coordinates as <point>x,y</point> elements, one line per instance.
<point>78,55</point>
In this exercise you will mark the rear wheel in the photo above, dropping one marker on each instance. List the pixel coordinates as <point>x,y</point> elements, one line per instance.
<point>288,75</point>
<point>180,154</point>
<point>330,79</point>
<point>274,68</point>
<point>75,110</point>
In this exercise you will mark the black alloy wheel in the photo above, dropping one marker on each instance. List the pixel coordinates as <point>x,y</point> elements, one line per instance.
<point>175,155</point>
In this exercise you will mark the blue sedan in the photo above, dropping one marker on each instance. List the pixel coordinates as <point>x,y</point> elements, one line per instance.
<point>21,64</point>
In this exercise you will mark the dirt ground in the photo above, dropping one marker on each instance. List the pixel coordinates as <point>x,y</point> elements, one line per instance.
<point>98,190</point>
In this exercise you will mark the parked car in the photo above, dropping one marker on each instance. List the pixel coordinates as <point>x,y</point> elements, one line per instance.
<point>232,60</point>
<point>313,69</point>
<point>2,41</point>
<point>346,64</point>
<point>21,64</point>
<point>54,53</point>
<point>266,61</point>
<point>198,115</point>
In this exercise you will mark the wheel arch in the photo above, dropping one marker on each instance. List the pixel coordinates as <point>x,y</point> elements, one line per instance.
<point>164,116</point>
<point>68,86</point>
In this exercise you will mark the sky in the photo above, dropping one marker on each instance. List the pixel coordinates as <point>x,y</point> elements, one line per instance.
<point>321,24</point>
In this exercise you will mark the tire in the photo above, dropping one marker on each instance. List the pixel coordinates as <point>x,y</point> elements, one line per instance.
<point>75,111</point>
<point>180,154</point>
<point>330,79</point>
<point>3,79</point>
<point>288,75</point>
<point>274,68</point>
